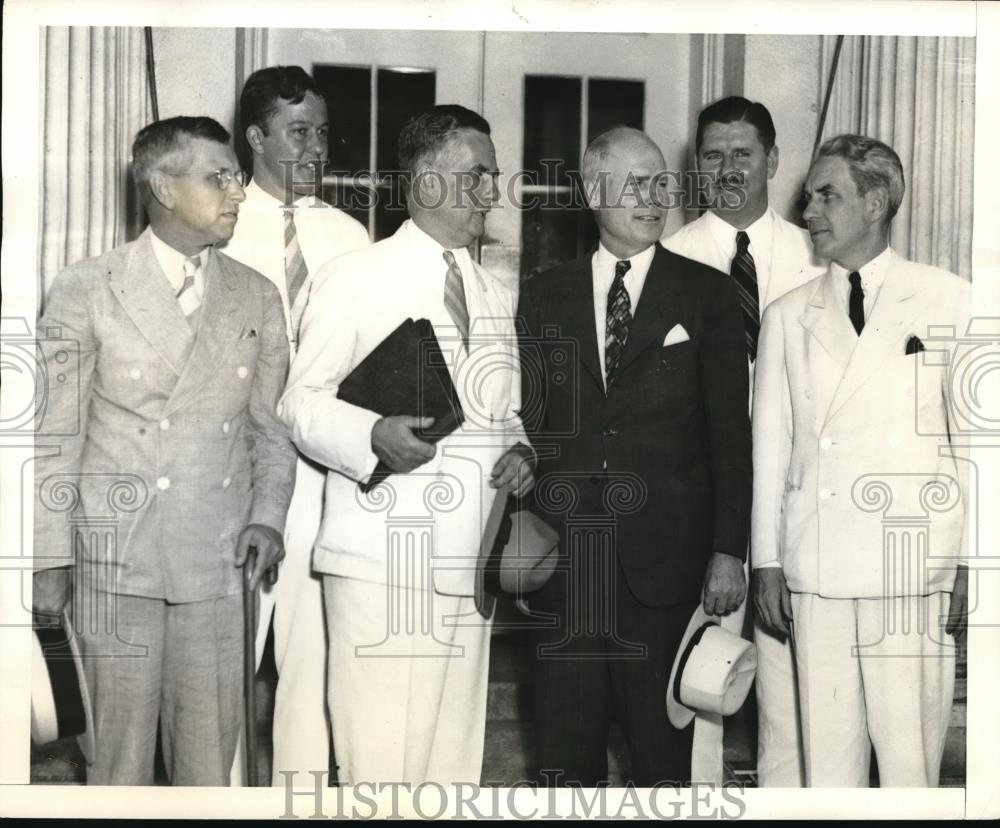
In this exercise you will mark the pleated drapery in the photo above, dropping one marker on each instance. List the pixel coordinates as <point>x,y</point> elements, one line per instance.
<point>916,94</point>
<point>94,100</point>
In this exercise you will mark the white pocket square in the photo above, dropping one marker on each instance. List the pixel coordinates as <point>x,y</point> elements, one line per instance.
<point>675,336</point>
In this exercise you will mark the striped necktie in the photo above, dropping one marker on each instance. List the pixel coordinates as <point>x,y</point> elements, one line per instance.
<point>189,296</point>
<point>296,274</point>
<point>454,297</point>
<point>619,319</point>
<point>744,273</point>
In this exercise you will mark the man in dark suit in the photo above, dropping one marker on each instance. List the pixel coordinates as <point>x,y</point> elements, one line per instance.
<point>645,468</point>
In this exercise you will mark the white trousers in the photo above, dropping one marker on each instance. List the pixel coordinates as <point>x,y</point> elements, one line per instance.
<point>873,672</point>
<point>408,675</point>
<point>780,763</point>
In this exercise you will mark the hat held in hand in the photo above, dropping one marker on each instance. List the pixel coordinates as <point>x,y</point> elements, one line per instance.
<point>517,554</point>
<point>712,672</point>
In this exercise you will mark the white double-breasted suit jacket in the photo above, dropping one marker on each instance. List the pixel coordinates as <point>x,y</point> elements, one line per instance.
<point>856,490</point>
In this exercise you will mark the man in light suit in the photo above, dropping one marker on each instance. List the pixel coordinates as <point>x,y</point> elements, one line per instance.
<point>169,420</point>
<point>651,445</point>
<point>286,232</point>
<point>742,235</point>
<point>851,431</point>
<point>408,697</point>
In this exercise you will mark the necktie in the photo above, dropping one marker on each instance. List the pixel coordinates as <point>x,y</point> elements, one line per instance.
<point>188,296</point>
<point>619,318</point>
<point>296,274</point>
<point>744,273</point>
<point>856,305</point>
<point>454,297</point>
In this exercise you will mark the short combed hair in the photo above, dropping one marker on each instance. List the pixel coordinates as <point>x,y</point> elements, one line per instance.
<point>736,108</point>
<point>263,89</point>
<point>871,164</point>
<point>159,139</point>
<point>424,135</point>
<point>599,150</point>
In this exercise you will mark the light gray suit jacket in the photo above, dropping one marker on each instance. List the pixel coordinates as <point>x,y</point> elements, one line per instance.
<point>165,442</point>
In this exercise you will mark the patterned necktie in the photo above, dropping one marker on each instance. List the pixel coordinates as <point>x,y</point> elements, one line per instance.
<point>454,297</point>
<point>619,318</point>
<point>744,273</point>
<point>856,305</point>
<point>188,295</point>
<point>296,275</point>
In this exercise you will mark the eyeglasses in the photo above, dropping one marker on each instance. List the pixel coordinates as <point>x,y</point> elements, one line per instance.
<point>221,178</point>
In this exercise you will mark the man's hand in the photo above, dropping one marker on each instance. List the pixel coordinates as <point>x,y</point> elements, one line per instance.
<point>270,550</point>
<point>516,468</point>
<point>771,599</point>
<point>395,444</point>
<point>725,584</point>
<point>958,612</point>
<point>50,592</point>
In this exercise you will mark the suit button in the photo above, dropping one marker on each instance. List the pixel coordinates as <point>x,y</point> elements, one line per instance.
<point>225,427</point>
<point>164,424</point>
<point>825,443</point>
<point>825,494</point>
<point>135,373</point>
<point>226,482</point>
<point>163,484</point>
<point>808,394</point>
<point>242,372</point>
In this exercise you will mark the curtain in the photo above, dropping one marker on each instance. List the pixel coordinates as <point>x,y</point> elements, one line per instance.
<point>917,94</point>
<point>94,100</point>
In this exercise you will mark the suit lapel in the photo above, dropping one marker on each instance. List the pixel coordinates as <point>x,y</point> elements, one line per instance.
<point>145,294</point>
<point>881,337</point>
<point>579,321</point>
<point>658,308</point>
<point>222,317</point>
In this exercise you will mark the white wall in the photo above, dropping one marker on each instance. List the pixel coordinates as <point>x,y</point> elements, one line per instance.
<point>196,72</point>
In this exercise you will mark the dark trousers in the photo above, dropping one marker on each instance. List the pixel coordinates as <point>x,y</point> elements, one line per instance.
<point>607,655</point>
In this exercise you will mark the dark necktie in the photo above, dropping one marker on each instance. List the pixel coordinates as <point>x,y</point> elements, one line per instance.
<point>618,320</point>
<point>856,305</point>
<point>744,273</point>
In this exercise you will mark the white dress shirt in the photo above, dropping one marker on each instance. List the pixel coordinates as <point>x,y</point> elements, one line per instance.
<point>761,234</point>
<point>323,233</point>
<point>872,277</point>
<point>603,266</point>
<point>171,261</point>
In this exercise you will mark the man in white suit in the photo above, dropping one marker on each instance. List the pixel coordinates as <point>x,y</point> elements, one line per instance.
<point>408,695</point>
<point>851,432</point>
<point>741,234</point>
<point>168,421</point>
<point>287,233</point>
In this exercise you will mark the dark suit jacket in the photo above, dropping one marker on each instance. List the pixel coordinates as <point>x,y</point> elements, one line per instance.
<point>673,427</point>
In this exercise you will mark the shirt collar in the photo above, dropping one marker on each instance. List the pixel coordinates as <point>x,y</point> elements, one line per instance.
<point>605,260</point>
<point>172,260</point>
<point>258,196</point>
<point>872,273</point>
<point>760,232</point>
<point>427,246</point>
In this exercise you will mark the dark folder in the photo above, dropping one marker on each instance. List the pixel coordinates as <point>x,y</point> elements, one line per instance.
<point>406,375</point>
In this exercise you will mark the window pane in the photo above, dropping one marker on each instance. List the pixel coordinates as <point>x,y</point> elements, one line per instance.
<point>551,235</point>
<point>551,127</point>
<point>347,90</point>
<point>614,103</point>
<point>402,93</point>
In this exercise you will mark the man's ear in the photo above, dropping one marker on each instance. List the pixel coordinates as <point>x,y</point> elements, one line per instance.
<point>428,188</point>
<point>772,162</point>
<point>255,138</point>
<point>161,186</point>
<point>876,204</point>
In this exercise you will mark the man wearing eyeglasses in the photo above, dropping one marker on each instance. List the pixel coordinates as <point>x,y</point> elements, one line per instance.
<point>164,359</point>
<point>286,232</point>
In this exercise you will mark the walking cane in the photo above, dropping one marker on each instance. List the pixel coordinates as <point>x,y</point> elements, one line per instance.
<point>250,670</point>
